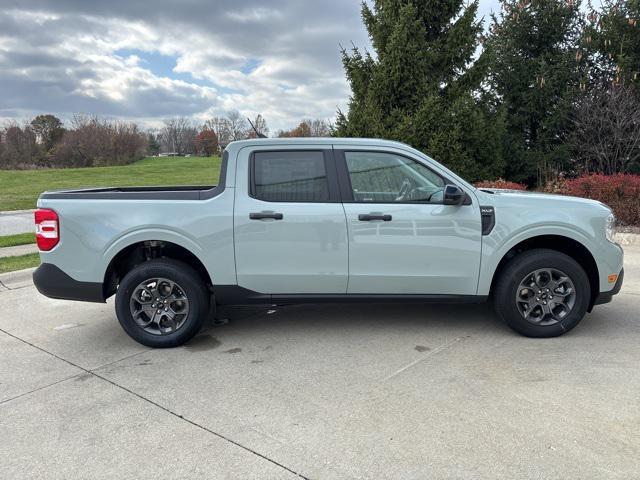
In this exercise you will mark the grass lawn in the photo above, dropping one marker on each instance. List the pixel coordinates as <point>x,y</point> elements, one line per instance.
<point>9,264</point>
<point>19,189</point>
<point>18,239</point>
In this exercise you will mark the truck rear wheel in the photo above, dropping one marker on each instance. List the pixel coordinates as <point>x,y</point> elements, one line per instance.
<point>162,303</point>
<point>542,293</point>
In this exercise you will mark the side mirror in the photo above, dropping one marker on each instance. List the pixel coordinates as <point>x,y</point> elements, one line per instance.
<point>453,195</point>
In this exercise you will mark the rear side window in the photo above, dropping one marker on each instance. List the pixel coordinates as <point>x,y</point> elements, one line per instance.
<point>289,176</point>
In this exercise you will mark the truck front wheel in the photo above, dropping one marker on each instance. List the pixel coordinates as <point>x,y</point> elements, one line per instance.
<point>542,293</point>
<point>161,303</point>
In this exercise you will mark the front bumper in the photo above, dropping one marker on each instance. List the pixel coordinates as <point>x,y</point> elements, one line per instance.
<point>606,297</point>
<point>54,283</point>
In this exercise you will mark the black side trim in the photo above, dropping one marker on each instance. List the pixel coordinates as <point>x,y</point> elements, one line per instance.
<point>606,297</point>
<point>488,215</point>
<point>236,295</point>
<point>54,283</point>
<point>186,192</point>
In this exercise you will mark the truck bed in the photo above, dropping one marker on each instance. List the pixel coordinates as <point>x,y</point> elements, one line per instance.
<point>179,192</point>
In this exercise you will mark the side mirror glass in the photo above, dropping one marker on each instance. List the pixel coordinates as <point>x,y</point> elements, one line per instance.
<point>453,195</point>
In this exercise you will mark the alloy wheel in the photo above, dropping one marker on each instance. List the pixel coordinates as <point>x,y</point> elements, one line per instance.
<point>159,306</point>
<point>545,296</point>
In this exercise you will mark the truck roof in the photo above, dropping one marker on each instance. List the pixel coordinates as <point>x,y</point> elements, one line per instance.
<point>316,141</point>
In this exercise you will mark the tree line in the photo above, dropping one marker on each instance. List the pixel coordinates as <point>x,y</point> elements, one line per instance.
<point>551,88</point>
<point>91,141</point>
<point>88,141</point>
<point>181,135</point>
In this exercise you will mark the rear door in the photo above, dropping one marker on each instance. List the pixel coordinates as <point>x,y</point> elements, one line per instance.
<point>289,225</point>
<point>402,239</point>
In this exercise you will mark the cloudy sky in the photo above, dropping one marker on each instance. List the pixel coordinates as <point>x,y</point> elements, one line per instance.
<point>146,61</point>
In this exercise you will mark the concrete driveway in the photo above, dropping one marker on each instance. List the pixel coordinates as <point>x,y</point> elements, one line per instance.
<point>333,391</point>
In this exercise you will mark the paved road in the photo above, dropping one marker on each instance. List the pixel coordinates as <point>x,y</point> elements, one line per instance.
<point>331,392</point>
<point>20,221</point>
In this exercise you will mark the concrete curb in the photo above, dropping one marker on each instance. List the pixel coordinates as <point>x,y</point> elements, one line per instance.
<point>17,279</point>
<point>18,250</point>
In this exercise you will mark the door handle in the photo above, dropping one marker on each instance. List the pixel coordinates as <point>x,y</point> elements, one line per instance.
<point>367,217</point>
<point>263,215</point>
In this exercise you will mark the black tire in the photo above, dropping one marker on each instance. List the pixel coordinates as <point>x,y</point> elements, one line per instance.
<point>189,284</point>
<point>509,285</point>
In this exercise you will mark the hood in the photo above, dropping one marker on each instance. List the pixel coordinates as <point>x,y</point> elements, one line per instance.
<point>535,199</point>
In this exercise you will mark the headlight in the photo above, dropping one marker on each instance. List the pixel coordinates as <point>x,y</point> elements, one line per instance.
<point>610,228</point>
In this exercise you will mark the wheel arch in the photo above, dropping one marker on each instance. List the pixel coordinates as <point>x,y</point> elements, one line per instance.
<point>136,253</point>
<point>560,243</point>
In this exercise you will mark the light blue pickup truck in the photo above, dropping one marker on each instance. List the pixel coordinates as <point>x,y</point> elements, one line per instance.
<point>325,220</point>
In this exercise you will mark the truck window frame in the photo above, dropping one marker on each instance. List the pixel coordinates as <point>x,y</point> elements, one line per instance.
<point>346,188</point>
<point>329,166</point>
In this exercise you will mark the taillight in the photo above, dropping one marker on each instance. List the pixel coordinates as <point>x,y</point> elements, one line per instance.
<point>47,229</point>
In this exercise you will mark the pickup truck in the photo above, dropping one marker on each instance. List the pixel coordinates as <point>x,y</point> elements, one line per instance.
<point>325,220</point>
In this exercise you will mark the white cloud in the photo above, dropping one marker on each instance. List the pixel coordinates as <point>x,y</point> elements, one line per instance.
<point>196,58</point>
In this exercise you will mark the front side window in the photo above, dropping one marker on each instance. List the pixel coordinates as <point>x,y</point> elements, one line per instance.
<point>290,176</point>
<point>378,177</point>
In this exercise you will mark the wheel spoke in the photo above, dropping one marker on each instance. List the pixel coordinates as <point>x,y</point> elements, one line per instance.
<point>546,309</point>
<point>149,311</point>
<point>173,325</point>
<point>170,313</point>
<point>529,310</point>
<point>564,294</point>
<point>176,297</point>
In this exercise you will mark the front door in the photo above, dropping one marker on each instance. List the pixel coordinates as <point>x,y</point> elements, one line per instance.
<point>289,225</point>
<point>402,239</point>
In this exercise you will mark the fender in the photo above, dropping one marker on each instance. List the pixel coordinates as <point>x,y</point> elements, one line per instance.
<point>145,234</point>
<point>494,249</point>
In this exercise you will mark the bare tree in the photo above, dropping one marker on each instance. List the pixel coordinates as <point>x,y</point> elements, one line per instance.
<point>237,126</point>
<point>220,126</point>
<point>18,147</point>
<point>319,127</point>
<point>95,142</point>
<point>308,128</point>
<point>608,131</point>
<point>178,135</point>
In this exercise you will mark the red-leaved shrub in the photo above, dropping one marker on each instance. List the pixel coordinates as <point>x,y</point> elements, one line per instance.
<point>500,183</point>
<point>620,192</point>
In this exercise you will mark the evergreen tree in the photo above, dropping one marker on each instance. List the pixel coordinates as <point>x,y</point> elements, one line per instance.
<point>48,129</point>
<point>153,147</point>
<point>612,39</point>
<point>538,71</point>
<point>423,87</point>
